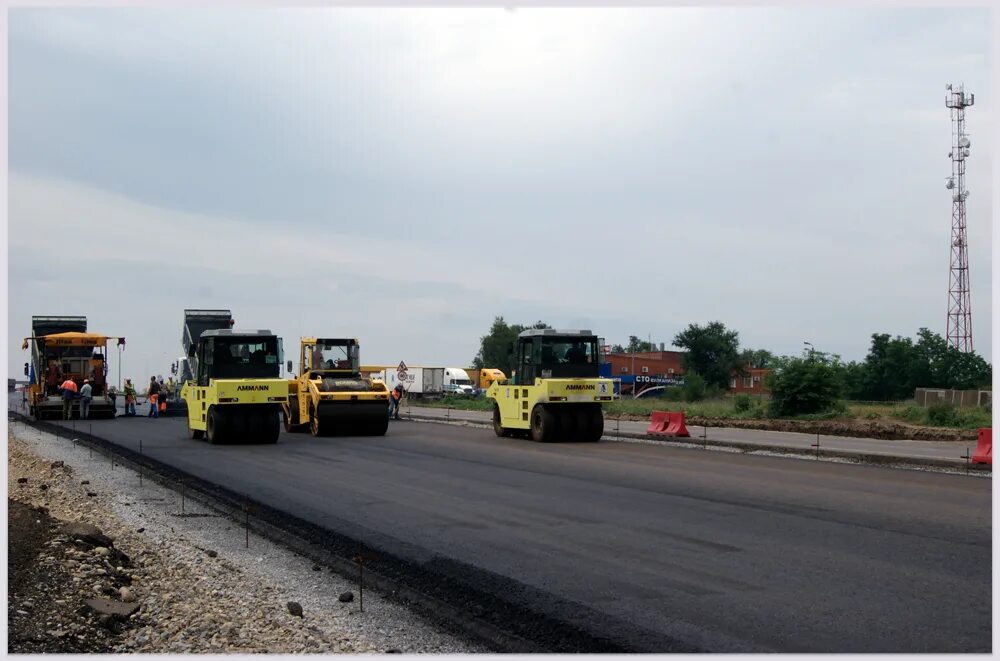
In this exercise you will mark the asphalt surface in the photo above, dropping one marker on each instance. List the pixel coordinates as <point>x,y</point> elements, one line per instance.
<point>944,451</point>
<point>650,545</point>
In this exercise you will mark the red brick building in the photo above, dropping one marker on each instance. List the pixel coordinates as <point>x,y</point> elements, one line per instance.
<point>649,363</point>
<point>670,364</point>
<point>752,382</point>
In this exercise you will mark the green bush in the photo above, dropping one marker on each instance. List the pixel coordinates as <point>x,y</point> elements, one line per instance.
<point>742,403</point>
<point>673,394</point>
<point>913,414</point>
<point>945,415</point>
<point>974,418</point>
<point>942,415</point>
<point>807,386</point>
<point>694,388</point>
<point>714,392</point>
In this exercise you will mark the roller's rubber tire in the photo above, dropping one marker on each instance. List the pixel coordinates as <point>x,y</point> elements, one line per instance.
<point>498,428</point>
<point>292,423</point>
<point>271,429</point>
<point>543,425</point>
<point>316,428</point>
<point>216,431</point>
<point>569,423</point>
<point>595,424</point>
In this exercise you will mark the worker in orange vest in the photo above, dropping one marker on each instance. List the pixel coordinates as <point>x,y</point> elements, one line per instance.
<point>395,399</point>
<point>152,395</point>
<point>68,394</point>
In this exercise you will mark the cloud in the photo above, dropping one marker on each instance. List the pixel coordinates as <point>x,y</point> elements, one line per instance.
<point>405,175</point>
<point>133,268</point>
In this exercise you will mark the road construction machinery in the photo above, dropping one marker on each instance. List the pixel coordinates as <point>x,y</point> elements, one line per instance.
<point>555,393</point>
<point>61,349</point>
<point>235,394</point>
<point>330,396</point>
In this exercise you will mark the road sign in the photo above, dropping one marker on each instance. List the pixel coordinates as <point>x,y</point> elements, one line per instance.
<point>402,367</point>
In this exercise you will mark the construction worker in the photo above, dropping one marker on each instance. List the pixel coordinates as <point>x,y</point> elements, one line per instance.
<point>68,395</point>
<point>152,394</point>
<point>86,395</point>
<point>164,395</point>
<point>129,398</point>
<point>395,398</point>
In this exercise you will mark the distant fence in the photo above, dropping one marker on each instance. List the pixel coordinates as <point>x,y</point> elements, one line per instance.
<point>959,398</point>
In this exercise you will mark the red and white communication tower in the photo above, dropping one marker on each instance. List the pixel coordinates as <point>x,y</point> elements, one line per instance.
<point>959,305</point>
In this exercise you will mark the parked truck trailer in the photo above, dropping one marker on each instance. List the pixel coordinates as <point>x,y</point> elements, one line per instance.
<point>418,382</point>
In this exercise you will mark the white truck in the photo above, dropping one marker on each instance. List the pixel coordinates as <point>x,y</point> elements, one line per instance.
<point>457,382</point>
<point>423,382</point>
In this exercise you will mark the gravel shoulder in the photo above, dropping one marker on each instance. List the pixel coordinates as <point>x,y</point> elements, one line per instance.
<point>198,585</point>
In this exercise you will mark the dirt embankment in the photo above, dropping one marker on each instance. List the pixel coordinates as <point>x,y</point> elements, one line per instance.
<point>881,429</point>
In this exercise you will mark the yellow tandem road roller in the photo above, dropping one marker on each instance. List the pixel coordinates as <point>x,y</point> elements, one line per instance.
<point>330,396</point>
<point>236,394</point>
<point>556,391</point>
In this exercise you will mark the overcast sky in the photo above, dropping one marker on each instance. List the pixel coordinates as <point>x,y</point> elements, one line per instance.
<point>403,176</point>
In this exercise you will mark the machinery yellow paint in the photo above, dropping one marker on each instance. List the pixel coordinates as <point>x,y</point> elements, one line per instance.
<point>229,392</point>
<point>555,391</point>
<point>330,398</point>
<point>517,401</point>
<point>237,391</point>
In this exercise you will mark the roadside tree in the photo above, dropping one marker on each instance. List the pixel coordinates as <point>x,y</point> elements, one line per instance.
<point>711,351</point>
<point>811,384</point>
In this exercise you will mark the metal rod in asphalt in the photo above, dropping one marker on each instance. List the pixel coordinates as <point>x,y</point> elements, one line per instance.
<point>360,559</point>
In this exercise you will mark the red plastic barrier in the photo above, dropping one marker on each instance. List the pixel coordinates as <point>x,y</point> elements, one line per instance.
<point>667,423</point>
<point>984,449</point>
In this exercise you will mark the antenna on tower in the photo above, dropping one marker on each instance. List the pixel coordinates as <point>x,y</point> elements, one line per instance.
<point>959,303</point>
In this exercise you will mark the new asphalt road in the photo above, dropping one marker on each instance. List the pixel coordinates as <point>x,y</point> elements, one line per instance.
<point>941,451</point>
<point>652,546</point>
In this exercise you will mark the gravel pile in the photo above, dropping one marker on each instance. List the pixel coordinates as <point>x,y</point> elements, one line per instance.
<point>197,586</point>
